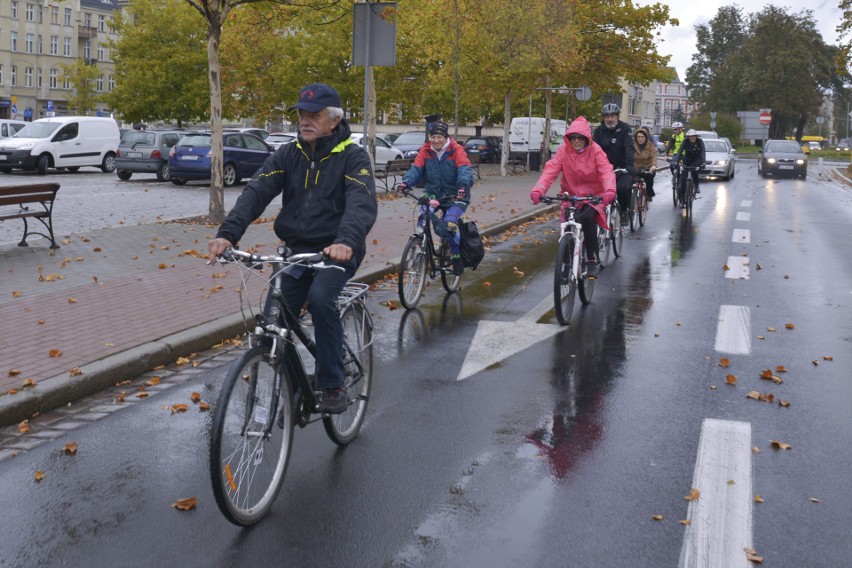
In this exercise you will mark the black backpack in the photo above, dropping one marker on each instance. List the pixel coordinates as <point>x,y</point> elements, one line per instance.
<point>471,250</point>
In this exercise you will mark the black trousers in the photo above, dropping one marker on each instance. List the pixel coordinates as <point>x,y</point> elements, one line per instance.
<point>623,187</point>
<point>649,182</point>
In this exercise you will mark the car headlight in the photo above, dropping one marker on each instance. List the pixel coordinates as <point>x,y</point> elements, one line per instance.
<point>771,160</point>
<point>720,162</point>
<point>799,162</point>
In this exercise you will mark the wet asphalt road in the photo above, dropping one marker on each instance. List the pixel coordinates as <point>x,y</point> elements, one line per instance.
<point>559,454</point>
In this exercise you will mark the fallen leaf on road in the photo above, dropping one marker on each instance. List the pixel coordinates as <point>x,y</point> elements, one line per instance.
<point>75,371</point>
<point>815,363</point>
<point>24,427</point>
<point>780,445</point>
<point>761,337</point>
<point>55,353</point>
<point>12,391</point>
<point>780,369</point>
<point>752,556</point>
<point>828,358</point>
<point>486,284</point>
<point>30,383</point>
<point>731,380</point>
<point>14,372</point>
<point>182,361</point>
<point>726,267</point>
<point>179,408</point>
<point>755,450</point>
<point>685,522</point>
<point>758,266</point>
<point>789,326</point>
<point>185,504</point>
<point>203,407</point>
<point>17,293</point>
<point>390,304</point>
<point>724,362</point>
<point>814,500</point>
<point>657,517</point>
<point>784,403</point>
<point>770,329</point>
<point>120,398</point>
<point>767,374</point>
<point>694,495</point>
<point>195,397</point>
<point>97,249</point>
<point>72,300</point>
<point>39,475</point>
<point>768,397</point>
<point>759,499</point>
<point>70,448</point>
<point>153,381</point>
<point>142,395</point>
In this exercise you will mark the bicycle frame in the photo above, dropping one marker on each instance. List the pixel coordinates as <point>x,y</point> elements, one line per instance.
<point>428,238</point>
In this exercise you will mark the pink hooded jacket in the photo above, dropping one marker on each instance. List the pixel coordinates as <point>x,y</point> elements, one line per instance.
<point>583,173</point>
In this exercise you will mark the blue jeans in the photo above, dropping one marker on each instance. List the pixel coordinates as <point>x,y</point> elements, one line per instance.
<point>451,214</point>
<point>321,289</point>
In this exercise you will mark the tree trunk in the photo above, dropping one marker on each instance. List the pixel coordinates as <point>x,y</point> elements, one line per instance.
<point>548,109</point>
<point>216,211</point>
<point>507,121</point>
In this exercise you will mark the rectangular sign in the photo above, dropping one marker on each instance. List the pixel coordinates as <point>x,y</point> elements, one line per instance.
<point>374,34</point>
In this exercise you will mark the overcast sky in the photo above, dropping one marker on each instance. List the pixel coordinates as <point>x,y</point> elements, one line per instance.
<point>679,42</point>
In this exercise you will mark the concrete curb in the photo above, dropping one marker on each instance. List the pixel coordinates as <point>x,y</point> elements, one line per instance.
<point>99,375</point>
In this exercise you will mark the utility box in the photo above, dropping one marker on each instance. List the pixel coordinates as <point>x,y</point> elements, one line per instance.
<point>753,130</point>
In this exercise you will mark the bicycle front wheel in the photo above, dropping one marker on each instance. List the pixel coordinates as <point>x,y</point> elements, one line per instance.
<point>412,272</point>
<point>251,438</point>
<point>688,197</point>
<point>642,206</point>
<point>586,287</point>
<point>674,190</point>
<point>617,231</point>
<point>448,279</point>
<point>634,200</point>
<point>358,374</point>
<point>564,280</point>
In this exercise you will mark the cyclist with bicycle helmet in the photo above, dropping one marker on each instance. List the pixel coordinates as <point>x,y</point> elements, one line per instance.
<point>676,139</point>
<point>616,139</point>
<point>325,186</point>
<point>586,170</point>
<point>443,163</point>
<point>692,154</point>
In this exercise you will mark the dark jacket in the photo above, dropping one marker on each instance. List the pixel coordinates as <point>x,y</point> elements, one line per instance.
<point>328,197</point>
<point>617,143</point>
<point>692,154</point>
<point>443,177</point>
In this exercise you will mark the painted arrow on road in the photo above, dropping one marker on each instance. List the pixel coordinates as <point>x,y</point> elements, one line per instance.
<point>495,341</point>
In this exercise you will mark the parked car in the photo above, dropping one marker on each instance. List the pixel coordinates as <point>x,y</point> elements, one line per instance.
<point>259,132</point>
<point>706,134</point>
<point>782,157</point>
<point>244,154</point>
<point>719,159</point>
<point>278,139</point>
<point>389,138</point>
<point>68,142</point>
<point>410,143</point>
<point>842,145</point>
<point>384,151</point>
<point>489,148</point>
<point>8,128</point>
<point>146,151</point>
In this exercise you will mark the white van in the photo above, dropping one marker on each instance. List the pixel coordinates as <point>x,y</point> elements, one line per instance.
<point>69,142</point>
<point>9,127</point>
<point>521,129</point>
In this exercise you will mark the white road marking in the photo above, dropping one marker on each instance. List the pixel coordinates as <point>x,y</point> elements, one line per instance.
<point>743,216</point>
<point>733,330</point>
<point>746,203</point>
<point>741,236</point>
<point>495,341</point>
<point>737,268</point>
<point>721,518</point>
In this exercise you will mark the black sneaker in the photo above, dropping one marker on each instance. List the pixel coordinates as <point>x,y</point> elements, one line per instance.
<point>592,269</point>
<point>334,400</point>
<point>458,267</point>
<point>697,191</point>
<point>625,221</point>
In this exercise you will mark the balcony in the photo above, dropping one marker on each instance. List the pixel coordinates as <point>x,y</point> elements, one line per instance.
<point>87,32</point>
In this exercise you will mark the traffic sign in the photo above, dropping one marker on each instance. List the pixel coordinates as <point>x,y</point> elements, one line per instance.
<point>765,118</point>
<point>50,106</point>
<point>14,109</point>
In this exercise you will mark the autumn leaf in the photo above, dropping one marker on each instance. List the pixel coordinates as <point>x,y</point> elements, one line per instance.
<point>195,397</point>
<point>163,266</point>
<point>39,475</point>
<point>375,241</point>
<point>761,337</point>
<point>770,329</point>
<point>72,300</point>
<point>153,381</point>
<point>815,363</point>
<point>17,293</point>
<point>70,448</point>
<point>759,499</point>
<point>24,427</point>
<point>75,372</point>
<point>685,522</point>
<point>120,398</point>
<point>96,249</point>
<point>780,369</point>
<point>55,353</point>
<point>726,267</point>
<point>730,380</point>
<point>780,445</point>
<point>752,556</point>
<point>182,361</point>
<point>142,395</point>
<point>30,383</point>
<point>203,407</point>
<point>486,284</point>
<point>179,408</point>
<point>789,326</point>
<point>784,403</point>
<point>657,517</point>
<point>814,500</point>
<point>694,495</point>
<point>185,504</point>
<point>724,362</point>
<point>828,358</point>
<point>767,374</point>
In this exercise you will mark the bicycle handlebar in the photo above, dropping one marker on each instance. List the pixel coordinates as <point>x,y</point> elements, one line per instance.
<point>424,200</point>
<point>314,260</point>
<point>572,198</point>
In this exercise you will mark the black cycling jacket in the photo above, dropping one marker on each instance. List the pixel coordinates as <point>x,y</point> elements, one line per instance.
<point>617,143</point>
<point>327,197</point>
<point>693,153</point>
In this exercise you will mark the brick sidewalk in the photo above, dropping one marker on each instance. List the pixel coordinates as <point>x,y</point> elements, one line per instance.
<point>116,302</point>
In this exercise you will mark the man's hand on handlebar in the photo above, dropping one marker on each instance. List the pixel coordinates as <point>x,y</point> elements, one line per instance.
<point>338,252</point>
<point>216,248</point>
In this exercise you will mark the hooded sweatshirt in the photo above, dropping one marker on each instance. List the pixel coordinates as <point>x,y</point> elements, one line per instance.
<point>587,172</point>
<point>644,155</point>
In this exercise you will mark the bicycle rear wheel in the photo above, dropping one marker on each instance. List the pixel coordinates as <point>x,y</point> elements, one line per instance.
<point>448,279</point>
<point>564,281</point>
<point>247,464</point>
<point>358,372</point>
<point>617,231</point>
<point>412,272</point>
<point>634,200</point>
<point>586,287</point>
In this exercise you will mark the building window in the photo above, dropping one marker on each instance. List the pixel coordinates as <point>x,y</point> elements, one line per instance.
<point>28,77</point>
<point>38,77</point>
<point>28,43</point>
<point>87,20</point>
<point>54,14</point>
<point>68,17</point>
<point>14,10</point>
<point>111,82</point>
<point>66,49</point>
<point>13,41</point>
<point>101,53</point>
<point>54,45</point>
<point>1,73</point>
<point>101,23</point>
<point>66,85</point>
<point>100,84</point>
<point>13,75</point>
<point>30,13</point>
<point>87,49</point>
<point>54,78</point>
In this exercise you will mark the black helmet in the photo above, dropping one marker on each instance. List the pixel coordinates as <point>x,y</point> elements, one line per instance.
<point>610,108</point>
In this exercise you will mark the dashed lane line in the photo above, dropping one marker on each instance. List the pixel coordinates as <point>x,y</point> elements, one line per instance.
<point>741,236</point>
<point>733,331</point>
<point>738,268</point>
<point>743,216</point>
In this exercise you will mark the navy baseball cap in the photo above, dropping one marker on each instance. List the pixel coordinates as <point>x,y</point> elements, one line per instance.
<point>316,97</point>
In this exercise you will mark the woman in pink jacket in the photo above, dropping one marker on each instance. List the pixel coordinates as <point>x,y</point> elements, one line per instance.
<point>585,171</point>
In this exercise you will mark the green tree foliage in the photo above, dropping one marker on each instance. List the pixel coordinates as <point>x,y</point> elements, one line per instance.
<point>160,63</point>
<point>716,42</point>
<point>82,77</point>
<point>727,125</point>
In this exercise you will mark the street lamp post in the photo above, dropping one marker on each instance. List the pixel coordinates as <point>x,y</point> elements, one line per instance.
<point>583,93</point>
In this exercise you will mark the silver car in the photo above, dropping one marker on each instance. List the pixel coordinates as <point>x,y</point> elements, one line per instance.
<point>146,151</point>
<point>719,159</point>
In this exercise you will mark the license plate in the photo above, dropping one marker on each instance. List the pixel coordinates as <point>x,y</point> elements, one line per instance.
<point>190,158</point>
<point>134,154</point>
<point>785,167</point>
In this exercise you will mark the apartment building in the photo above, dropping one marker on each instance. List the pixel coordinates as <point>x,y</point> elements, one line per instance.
<point>673,103</point>
<point>36,37</point>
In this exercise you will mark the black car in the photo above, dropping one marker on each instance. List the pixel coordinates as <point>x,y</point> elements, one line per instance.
<point>782,157</point>
<point>489,148</point>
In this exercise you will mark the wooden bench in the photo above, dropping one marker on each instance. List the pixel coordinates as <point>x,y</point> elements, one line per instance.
<point>40,197</point>
<point>390,171</point>
<point>475,160</point>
